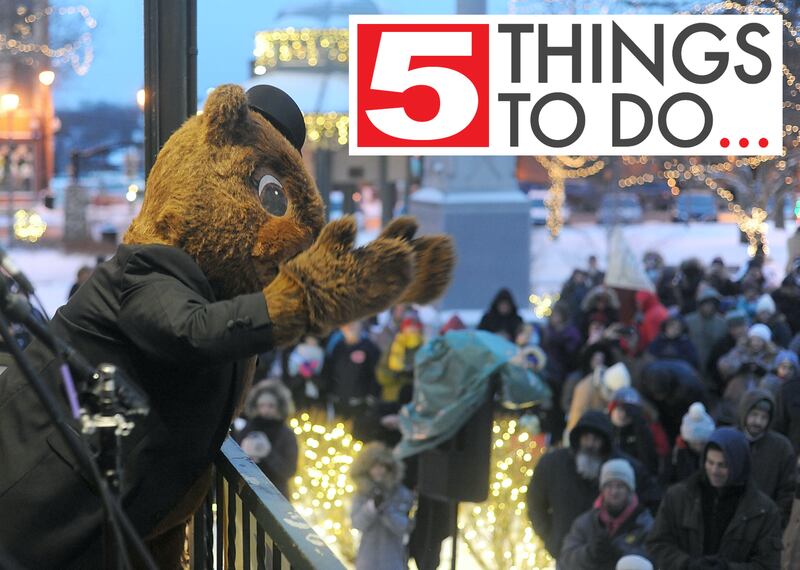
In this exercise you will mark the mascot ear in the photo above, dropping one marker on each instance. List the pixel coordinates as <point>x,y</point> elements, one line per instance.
<point>225,114</point>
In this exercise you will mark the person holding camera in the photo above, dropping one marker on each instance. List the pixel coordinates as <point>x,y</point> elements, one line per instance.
<point>380,509</point>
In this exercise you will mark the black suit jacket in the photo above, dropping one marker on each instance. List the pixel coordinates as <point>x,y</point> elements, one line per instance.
<point>151,311</point>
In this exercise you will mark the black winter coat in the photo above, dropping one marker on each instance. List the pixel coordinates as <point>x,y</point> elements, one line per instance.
<point>787,412</point>
<point>151,311</point>
<point>752,541</point>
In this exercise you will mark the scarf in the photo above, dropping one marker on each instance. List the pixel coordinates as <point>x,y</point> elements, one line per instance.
<point>611,522</point>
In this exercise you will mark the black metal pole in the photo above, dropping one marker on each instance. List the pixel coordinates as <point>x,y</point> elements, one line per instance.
<point>170,71</point>
<point>455,536</point>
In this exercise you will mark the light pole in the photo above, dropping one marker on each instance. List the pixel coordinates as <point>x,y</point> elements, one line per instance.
<point>8,104</point>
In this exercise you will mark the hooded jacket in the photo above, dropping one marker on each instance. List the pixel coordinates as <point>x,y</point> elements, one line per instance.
<point>494,321</point>
<point>382,529</point>
<point>752,538</point>
<point>653,314</point>
<point>774,464</point>
<point>558,494</point>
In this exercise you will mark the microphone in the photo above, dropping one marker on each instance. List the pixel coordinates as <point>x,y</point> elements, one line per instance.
<point>15,272</point>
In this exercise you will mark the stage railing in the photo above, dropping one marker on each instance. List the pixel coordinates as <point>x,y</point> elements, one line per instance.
<point>246,523</point>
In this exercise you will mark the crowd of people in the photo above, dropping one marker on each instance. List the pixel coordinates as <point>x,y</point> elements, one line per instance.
<point>673,430</point>
<point>679,410</point>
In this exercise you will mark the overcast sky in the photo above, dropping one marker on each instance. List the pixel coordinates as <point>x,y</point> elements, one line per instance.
<point>225,36</point>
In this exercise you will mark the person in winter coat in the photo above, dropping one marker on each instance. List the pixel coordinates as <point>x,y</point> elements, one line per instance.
<point>787,412</point>
<point>706,326</point>
<point>565,481</point>
<point>719,278</point>
<point>736,322</point>
<point>617,524</point>
<point>696,429</point>
<point>787,298</point>
<point>380,509</point>
<point>717,519</point>
<point>304,371</point>
<point>574,291</point>
<point>744,366</point>
<point>784,369</point>
<point>653,313</point>
<point>601,304</point>
<point>672,386</point>
<point>632,434</point>
<point>774,463</point>
<point>396,366</point>
<point>767,313</point>
<point>672,343</point>
<point>349,372</point>
<point>594,392</point>
<point>266,438</point>
<point>561,343</point>
<point>746,302</point>
<point>502,317</point>
<point>686,282</point>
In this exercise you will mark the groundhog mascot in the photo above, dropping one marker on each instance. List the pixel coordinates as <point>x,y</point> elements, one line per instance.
<point>229,257</point>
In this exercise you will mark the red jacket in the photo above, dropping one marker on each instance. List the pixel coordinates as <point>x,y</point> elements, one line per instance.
<point>653,314</point>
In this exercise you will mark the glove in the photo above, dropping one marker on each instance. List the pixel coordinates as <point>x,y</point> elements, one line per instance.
<point>340,283</point>
<point>602,550</point>
<point>434,259</point>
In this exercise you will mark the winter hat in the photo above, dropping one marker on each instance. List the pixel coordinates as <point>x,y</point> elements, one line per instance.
<point>761,331</point>
<point>708,294</point>
<point>614,378</point>
<point>618,470</point>
<point>786,356</point>
<point>634,562</point>
<point>765,304</point>
<point>627,395</point>
<point>735,318</point>
<point>697,426</point>
<point>410,322</point>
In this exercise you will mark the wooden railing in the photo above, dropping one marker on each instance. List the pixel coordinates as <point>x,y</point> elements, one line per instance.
<point>245,523</point>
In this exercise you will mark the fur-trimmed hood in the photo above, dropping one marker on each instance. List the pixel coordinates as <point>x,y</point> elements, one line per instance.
<point>595,293</point>
<point>278,390</point>
<point>371,454</point>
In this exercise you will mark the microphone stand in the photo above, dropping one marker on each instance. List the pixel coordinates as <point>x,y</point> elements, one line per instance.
<point>16,308</point>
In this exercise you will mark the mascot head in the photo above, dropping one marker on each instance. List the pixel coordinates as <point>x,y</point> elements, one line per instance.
<point>230,188</point>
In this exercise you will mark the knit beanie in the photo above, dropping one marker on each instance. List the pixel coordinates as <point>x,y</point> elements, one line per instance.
<point>634,562</point>
<point>761,331</point>
<point>618,470</point>
<point>765,304</point>
<point>697,425</point>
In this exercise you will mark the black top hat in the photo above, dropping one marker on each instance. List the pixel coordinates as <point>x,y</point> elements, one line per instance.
<point>280,110</point>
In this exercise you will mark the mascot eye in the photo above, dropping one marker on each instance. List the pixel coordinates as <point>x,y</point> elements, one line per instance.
<point>272,196</point>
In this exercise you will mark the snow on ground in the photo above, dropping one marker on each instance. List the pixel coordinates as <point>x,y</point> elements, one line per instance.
<point>53,272</point>
<point>552,261</point>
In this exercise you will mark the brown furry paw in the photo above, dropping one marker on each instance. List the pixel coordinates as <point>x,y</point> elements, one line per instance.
<point>342,284</point>
<point>434,259</point>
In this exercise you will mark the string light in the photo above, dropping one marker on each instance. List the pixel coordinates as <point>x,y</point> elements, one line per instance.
<point>496,532</point>
<point>543,304</point>
<point>28,226</point>
<point>78,53</point>
<point>560,168</point>
<point>327,129</point>
<point>302,47</point>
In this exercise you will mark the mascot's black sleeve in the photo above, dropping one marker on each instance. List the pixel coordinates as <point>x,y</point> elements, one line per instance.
<point>166,310</point>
